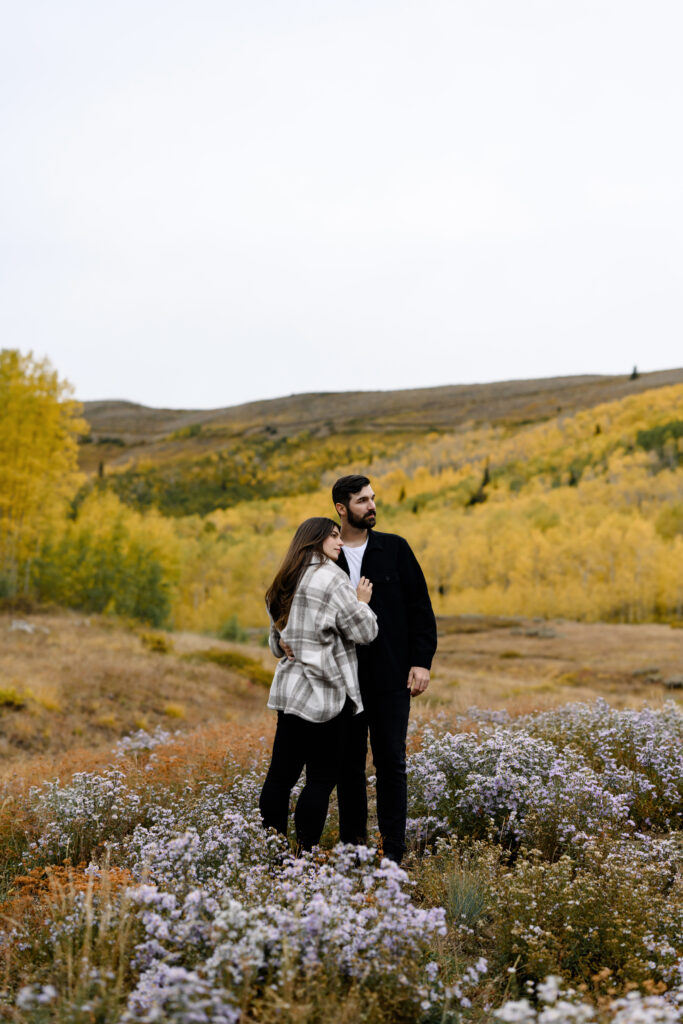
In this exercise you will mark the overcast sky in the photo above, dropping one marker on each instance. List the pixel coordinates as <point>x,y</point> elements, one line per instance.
<point>210,202</point>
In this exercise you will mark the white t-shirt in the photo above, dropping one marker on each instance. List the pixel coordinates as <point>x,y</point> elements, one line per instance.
<point>354,556</point>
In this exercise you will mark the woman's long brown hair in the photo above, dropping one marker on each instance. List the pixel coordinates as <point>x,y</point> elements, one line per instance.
<point>306,542</point>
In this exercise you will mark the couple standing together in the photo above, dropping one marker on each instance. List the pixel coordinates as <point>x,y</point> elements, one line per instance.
<point>353,626</point>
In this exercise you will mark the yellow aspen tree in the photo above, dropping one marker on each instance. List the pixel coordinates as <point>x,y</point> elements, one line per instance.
<point>39,428</point>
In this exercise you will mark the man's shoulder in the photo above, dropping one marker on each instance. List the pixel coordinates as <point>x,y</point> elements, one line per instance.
<point>392,551</point>
<point>390,540</point>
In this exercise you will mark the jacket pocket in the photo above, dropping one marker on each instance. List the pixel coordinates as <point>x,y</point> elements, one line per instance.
<point>387,579</point>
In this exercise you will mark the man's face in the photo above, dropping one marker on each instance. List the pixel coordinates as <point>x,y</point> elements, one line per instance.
<point>361,510</point>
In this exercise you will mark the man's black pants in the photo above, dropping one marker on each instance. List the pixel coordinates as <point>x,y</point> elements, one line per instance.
<point>299,744</point>
<point>386,719</point>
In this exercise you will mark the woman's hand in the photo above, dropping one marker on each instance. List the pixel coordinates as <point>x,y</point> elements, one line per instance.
<point>287,649</point>
<point>364,590</point>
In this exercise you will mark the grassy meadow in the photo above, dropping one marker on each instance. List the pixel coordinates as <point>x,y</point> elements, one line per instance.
<point>544,881</point>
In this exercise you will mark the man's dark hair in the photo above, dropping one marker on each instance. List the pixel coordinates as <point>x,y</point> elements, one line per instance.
<point>346,486</point>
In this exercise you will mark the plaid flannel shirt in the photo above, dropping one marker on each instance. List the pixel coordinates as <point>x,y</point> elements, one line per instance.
<point>325,623</point>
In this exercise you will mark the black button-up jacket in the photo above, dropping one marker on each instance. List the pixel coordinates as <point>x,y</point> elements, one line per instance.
<point>400,599</point>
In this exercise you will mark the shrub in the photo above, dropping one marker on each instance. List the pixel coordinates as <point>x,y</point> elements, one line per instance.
<point>174,710</point>
<point>237,662</point>
<point>314,932</point>
<point>460,877</point>
<point>556,1003</point>
<point>111,572</point>
<point>184,433</point>
<point>143,741</point>
<point>9,698</point>
<point>232,922</point>
<point>157,643</point>
<point>231,630</point>
<point>76,818</point>
<point>648,744</point>
<point>619,909</point>
<point>513,786</point>
<point>660,438</point>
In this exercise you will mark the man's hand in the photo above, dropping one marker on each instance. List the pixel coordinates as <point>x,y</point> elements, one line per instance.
<point>418,680</point>
<point>287,649</point>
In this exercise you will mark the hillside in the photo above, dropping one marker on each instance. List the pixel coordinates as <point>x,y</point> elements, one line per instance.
<point>192,462</point>
<point>517,510</point>
<point>118,426</point>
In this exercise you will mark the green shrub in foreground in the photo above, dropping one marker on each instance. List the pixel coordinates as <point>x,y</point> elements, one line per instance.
<point>617,912</point>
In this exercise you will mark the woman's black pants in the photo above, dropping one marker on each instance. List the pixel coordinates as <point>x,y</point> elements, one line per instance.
<point>300,744</point>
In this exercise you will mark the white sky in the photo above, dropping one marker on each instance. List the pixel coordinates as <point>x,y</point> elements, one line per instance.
<point>210,202</point>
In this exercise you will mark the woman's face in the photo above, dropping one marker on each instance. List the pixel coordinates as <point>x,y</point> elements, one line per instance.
<point>332,544</point>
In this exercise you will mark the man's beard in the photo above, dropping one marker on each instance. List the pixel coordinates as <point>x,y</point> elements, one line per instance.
<point>365,522</point>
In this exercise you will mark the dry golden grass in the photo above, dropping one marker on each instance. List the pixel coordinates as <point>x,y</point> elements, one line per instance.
<point>524,665</point>
<point>86,682</point>
<point>34,893</point>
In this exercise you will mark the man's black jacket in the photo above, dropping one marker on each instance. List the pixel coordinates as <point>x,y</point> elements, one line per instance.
<point>400,599</point>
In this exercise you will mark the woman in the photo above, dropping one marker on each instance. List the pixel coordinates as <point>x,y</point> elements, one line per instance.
<point>315,610</point>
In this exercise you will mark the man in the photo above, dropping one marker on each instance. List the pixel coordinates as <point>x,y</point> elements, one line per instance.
<point>394,667</point>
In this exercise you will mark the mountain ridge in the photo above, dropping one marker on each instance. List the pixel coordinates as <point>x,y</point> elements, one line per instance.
<point>442,408</point>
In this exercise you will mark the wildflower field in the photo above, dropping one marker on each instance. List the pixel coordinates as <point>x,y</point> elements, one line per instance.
<point>543,883</point>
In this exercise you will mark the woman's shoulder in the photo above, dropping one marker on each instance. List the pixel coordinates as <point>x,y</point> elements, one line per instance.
<point>340,588</point>
<point>328,574</point>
